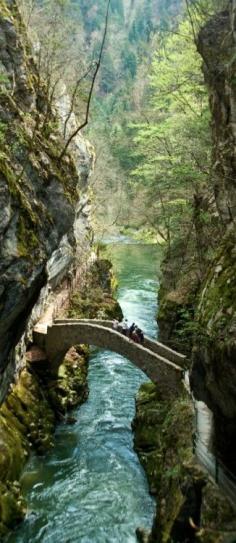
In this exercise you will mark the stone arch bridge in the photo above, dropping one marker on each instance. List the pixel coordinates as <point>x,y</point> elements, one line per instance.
<point>160,363</point>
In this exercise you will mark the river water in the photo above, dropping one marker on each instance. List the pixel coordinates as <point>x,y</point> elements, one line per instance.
<point>91,488</point>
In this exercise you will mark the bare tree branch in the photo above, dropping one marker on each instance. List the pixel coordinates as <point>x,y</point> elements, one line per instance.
<point>74,97</point>
<point>98,64</point>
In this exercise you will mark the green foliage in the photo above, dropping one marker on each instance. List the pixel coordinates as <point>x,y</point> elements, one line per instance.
<point>126,56</point>
<point>172,149</point>
<point>107,81</point>
<point>93,15</point>
<point>129,63</point>
<point>143,24</point>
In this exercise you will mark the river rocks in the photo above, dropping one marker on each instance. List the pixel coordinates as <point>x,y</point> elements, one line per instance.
<point>142,535</point>
<point>12,507</point>
<point>216,512</point>
<point>27,422</point>
<point>163,445</point>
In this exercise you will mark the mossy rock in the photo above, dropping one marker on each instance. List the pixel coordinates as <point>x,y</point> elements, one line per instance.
<point>96,300</point>
<point>218,519</point>
<point>176,319</point>
<point>70,389</point>
<point>12,505</point>
<point>163,442</point>
<point>26,420</point>
<point>217,307</point>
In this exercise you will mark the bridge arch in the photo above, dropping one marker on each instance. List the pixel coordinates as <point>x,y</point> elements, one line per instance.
<point>157,361</point>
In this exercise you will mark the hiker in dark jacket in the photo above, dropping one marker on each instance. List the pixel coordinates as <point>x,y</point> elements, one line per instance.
<point>140,335</point>
<point>131,330</point>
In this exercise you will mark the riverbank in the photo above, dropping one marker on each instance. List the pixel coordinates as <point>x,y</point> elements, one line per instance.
<point>37,400</point>
<point>143,234</point>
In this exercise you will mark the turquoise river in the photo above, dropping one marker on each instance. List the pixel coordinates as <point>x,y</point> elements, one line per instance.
<point>91,488</point>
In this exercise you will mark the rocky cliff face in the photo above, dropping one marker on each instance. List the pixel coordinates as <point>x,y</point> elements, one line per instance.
<point>190,508</point>
<point>213,373</point>
<point>43,221</point>
<point>216,44</point>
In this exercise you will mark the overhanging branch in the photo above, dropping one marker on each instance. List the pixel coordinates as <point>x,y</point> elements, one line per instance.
<point>98,64</point>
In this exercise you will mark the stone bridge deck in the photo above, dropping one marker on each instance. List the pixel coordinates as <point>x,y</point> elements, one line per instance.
<point>161,364</point>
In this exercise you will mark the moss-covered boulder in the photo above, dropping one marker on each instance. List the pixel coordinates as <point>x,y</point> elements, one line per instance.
<point>176,317</point>
<point>12,506</point>
<point>95,299</point>
<point>70,389</point>
<point>26,421</point>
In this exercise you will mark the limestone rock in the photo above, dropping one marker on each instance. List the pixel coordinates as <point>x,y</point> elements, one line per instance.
<point>213,374</point>
<point>216,44</point>
<point>41,231</point>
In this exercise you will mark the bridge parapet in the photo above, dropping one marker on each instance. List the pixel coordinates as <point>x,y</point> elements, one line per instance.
<point>63,334</point>
<point>152,344</point>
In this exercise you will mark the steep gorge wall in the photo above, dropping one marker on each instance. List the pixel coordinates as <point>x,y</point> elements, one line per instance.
<point>204,308</point>
<point>198,306</point>
<point>213,373</point>
<point>216,44</point>
<point>189,506</point>
<point>44,230</point>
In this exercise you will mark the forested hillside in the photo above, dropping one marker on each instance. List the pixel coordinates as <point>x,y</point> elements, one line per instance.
<point>121,94</point>
<point>70,39</point>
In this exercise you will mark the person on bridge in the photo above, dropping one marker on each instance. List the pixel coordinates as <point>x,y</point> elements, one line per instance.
<point>135,337</point>
<point>136,334</point>
<point>140,335</point>
<point>115,324</point>
<point>125,327</point>
<point>131,329</point>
